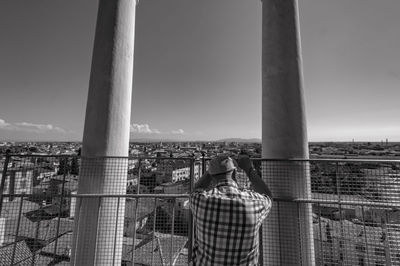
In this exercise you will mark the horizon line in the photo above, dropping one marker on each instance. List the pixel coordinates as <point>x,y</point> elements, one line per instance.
<point>249,140</point>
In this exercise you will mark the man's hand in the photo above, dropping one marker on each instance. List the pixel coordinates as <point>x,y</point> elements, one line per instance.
<point>244,163</point>
<point>259,185</point>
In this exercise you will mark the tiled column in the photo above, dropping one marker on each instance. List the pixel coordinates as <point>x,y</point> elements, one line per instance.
<point>287,232</point>
<point>98,232</point>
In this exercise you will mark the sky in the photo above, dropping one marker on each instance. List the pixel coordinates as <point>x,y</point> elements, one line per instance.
<point>197,69</point>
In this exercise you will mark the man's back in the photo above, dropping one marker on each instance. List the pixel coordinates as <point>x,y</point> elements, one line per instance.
<point>227,221</point>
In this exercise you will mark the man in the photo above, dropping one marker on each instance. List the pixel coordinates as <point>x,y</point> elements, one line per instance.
<point>227,218</point>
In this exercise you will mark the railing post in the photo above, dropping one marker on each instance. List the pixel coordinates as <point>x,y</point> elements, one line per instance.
<point>365,234</point>
<point>386,243</point>
<point>135,212</point>
<point>60,209</point>
<point>339,193</point>
<point>17,232</point>
<point>191,224</point>
<point>3,179</point>
<point>172,231</point>
<point>203,163</point>
<point>321,243</point>
<point>154,231</point>
<point>116,233</point>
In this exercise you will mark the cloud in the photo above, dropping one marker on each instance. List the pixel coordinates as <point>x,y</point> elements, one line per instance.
<point>179,131</point>
<point>144,129</point>
<point>148,130</point>
<point>31,127</point>
<point>38,127</point>
<point>3,124</point>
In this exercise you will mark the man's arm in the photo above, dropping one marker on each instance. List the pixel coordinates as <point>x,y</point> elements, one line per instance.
<point>258,184</point>
<point>204,182</point>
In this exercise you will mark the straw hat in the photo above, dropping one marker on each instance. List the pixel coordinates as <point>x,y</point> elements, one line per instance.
<point>221,164</point>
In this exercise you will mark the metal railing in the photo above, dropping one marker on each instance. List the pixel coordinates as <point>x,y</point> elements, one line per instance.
<point>355,208</point>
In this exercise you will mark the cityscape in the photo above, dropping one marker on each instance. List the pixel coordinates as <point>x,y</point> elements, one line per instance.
<point>48,174</point>
<point>176,149</point>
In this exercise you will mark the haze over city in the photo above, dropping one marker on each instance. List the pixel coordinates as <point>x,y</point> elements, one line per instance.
<point>198,69</point>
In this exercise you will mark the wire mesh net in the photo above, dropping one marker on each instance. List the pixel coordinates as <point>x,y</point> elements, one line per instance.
<point>329,212</point>
<point>332,212</point>
<point>161,232</point>
<point>361,228</point>
<point>122,204</point>
<point>35,219</point>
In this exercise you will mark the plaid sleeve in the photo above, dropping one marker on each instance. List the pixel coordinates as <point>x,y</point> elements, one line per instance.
<point>264,202</point>
<point>194,200</point>
<point>267,202</point>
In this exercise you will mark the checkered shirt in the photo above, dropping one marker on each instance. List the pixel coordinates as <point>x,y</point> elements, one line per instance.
<point>227,221</point>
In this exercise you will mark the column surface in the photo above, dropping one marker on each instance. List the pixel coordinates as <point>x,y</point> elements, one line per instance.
<point>287,232</point>
<point>99,223</point>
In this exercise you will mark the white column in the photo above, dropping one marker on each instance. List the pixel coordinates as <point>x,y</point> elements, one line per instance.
<point>287,232</point>
<point>99,223</point>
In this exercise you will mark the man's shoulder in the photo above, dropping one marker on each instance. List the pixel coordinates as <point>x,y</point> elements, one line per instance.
<point>251,194</point>
<point>243,192</point>
<point>200,193</point>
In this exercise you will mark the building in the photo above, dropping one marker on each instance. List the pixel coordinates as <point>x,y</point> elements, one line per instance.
<point>176,170</point>
<point>18,181</point>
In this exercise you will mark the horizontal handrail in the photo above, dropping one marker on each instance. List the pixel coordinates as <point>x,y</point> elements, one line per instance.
<point>329,160</point>
<point>161,196</point>
<point>101,195</point>
<point>208,158</point>
<point>97,157</point>
<point>342,202</point>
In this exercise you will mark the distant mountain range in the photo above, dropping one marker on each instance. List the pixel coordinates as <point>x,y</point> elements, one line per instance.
<point>152,140</point>
<point>254,140</point>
